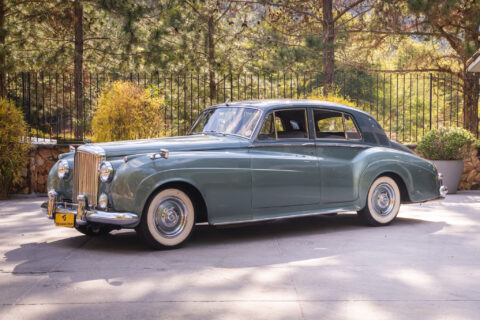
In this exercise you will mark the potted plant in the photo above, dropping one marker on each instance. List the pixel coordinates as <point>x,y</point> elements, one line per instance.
<point>447,148</point>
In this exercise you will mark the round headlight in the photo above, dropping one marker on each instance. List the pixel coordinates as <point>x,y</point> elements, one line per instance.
<point>63,169</point>
<point>106,171</point>
<point>103,201</point>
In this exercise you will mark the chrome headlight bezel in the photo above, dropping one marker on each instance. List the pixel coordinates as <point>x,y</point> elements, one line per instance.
<point>105,171</point>
<point>63,169</point>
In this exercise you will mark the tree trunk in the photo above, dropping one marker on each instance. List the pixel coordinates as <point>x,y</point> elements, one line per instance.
<point>471,91</point>
<point>3,71</point>
<point>329,46</point>
<point>78,66</point>
<point>211,58</point>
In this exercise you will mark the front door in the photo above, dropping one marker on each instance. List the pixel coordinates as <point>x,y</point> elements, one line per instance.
<point>283,161</point>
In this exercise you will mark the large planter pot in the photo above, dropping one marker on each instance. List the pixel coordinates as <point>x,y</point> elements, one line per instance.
<point>452,172</point>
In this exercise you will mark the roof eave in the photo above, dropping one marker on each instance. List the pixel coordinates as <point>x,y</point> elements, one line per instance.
<point>475,65</point>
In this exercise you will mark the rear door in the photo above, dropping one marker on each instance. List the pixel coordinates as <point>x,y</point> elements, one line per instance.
<point>338,141</point>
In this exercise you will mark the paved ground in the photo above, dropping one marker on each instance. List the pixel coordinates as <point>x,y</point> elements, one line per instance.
<point>424,266</point>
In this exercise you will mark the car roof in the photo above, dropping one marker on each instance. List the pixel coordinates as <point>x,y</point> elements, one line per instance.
<point>269,104</point>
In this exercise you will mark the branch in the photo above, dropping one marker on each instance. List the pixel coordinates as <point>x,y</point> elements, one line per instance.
<point>384,32</point>
<point>346,9</point>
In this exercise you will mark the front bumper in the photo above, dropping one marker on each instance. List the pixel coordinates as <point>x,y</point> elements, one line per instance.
<point>84,215</point>
<point>443,189</point>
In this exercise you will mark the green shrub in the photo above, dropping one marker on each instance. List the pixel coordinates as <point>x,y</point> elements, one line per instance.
<point>127,112</point>
<point>13,147</point>
<point>447,144</point>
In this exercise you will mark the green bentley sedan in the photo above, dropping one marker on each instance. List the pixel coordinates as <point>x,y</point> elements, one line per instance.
<point>240,162</point>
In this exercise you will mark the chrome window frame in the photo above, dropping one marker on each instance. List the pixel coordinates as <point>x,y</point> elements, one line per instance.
<point>255,126</point>
<point>275,126</point>
<point>344,125</point>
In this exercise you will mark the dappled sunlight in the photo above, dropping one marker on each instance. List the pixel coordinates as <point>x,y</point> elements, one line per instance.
<point>333,265</point>
<point>412,277</point>
<point>360,309</point>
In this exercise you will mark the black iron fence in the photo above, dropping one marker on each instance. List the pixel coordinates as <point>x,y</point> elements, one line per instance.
<point>407,105</point>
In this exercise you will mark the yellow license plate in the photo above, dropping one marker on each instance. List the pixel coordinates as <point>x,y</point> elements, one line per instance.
<point>65,220</point>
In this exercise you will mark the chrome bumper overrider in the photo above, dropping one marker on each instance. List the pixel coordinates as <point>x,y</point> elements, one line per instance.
<point>85,215</point>
<point>443,189</point>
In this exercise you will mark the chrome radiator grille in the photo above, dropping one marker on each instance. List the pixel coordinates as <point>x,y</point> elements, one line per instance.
<point>85,176</point>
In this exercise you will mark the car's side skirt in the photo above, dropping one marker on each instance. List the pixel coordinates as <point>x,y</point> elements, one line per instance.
<point>289,215</point>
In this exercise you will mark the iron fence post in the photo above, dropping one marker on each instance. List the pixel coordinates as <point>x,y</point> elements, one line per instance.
<point>431,89</point>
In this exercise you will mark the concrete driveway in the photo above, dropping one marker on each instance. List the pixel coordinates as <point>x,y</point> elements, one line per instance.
<point>426,265</point>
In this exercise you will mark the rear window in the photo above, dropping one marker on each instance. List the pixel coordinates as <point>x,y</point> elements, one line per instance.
<point>335,125</point>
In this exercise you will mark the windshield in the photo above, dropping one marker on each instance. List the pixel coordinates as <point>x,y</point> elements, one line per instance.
<point>236,121</point>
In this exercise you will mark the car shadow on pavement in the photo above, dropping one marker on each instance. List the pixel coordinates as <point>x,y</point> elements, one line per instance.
<point>44,257</point>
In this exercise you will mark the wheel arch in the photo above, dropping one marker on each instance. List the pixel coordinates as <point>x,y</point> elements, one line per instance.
<point>194,194</point>
<point>394,170</point>
<point>404,196</point>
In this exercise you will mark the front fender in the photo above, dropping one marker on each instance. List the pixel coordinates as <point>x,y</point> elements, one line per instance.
<point>222,178</point>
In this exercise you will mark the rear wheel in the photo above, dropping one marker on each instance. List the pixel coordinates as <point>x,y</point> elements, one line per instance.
<point>383,202</point>
<point>169,219</point>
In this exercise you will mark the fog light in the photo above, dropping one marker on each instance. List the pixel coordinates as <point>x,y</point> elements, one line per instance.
<point>103,201</point>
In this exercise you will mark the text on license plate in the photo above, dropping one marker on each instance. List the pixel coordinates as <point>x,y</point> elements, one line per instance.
<point>65,220</point>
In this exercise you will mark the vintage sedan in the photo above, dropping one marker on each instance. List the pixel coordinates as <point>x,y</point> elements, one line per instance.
<point>241,162</point>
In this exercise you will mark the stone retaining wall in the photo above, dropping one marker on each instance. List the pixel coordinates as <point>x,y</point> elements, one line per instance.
<point>471,173</point>
<point>34,176</point>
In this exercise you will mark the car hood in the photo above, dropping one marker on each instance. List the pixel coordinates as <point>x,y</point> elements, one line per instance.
<point>181,143</point>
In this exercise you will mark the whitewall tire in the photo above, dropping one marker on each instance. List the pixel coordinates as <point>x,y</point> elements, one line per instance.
<point>169,219</point>
<point>383,202</point>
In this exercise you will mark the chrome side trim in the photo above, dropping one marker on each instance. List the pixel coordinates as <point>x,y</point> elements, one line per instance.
<point>348,145</point>
<point>274,144</point>
<point>283,217</point>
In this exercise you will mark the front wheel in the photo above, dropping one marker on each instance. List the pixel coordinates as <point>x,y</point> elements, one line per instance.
<point>169,219</point>
<point>383,202</point>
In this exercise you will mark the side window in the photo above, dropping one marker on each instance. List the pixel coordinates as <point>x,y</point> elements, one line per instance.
<point>268,129</point>
<point>291,124</point>
<point>328,124</point>
<point>335,125</point>
<point>284,124</point>
<point>350,128</point>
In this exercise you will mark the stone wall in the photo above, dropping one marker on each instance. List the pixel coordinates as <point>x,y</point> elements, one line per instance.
<point>34,176</point>
<point>471,173</point>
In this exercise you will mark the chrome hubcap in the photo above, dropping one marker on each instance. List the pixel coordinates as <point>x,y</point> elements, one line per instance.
<point>383,199</point>
<point>170,217</point>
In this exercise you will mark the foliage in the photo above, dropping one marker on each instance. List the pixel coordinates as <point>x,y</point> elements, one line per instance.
<point>127,112</point>
<point>447,144</point>
<point>333,96</point>
<point>13,147</point>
